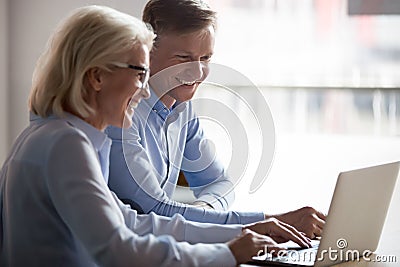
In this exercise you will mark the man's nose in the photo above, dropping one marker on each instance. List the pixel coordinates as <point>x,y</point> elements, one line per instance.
<point>197,69</point>
<point>194,71</point>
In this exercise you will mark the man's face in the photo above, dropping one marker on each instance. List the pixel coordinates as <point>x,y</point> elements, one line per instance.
<point>195,49</point>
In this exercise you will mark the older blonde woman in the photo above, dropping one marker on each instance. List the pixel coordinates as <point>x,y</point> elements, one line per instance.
<point>56,208</point>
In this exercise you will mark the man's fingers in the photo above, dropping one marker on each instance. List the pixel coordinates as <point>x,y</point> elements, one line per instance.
<point>319,222</point>
<point>318,225</point>
<point>317,232</point>
<point>321,215</point>
<point>311,224</point>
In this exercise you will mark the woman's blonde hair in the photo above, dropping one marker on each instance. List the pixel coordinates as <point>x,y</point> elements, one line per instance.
<point>92,36</point>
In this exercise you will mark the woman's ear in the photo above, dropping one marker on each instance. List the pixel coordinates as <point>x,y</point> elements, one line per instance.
<point>94,78</point>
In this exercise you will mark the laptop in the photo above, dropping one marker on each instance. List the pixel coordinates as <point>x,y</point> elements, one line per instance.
<point>355,220</point>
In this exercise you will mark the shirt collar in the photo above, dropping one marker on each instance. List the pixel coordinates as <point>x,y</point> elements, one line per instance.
<point>158,107</point>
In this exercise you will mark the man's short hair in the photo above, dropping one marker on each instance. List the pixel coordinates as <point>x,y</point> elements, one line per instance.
<point>179,16</point>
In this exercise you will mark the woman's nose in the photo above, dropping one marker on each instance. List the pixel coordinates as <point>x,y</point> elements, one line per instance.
<point>145,92</point>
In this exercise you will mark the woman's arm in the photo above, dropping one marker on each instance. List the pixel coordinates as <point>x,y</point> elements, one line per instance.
<point>86,205</point>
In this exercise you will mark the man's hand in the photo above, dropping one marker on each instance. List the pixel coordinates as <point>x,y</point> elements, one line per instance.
<point>306,220</point>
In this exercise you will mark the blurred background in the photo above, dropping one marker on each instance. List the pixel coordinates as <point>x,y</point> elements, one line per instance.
<point>325,66</point>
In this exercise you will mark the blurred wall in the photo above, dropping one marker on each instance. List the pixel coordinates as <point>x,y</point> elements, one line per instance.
<point>25,27</point>
<point>3,79</point>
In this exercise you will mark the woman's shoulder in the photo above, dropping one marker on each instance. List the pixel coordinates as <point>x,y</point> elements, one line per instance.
<point>52,131</point>
<point>42,136</point>
<point>60,127</point>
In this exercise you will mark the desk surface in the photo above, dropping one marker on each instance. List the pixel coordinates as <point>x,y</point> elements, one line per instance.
<point>304,173</point>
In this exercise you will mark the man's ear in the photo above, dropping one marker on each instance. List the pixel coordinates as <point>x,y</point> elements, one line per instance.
<point>94,78</point>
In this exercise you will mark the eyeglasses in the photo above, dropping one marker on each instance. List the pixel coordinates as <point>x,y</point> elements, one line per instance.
<point>144,76</point>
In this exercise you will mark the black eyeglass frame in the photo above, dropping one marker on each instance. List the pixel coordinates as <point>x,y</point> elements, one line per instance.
<point>141,68</point>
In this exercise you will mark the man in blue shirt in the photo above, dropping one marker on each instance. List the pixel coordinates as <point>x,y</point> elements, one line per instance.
<point>166,136</point>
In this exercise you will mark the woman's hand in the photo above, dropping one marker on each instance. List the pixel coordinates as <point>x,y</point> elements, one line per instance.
<point>279,232</point>
<point>264,236</point>
<point>249,244</point>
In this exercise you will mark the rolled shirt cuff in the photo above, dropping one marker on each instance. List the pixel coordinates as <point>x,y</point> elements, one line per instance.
<point>217,203</point>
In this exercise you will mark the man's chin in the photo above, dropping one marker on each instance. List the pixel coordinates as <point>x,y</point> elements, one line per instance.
<point>186,93</point>
<point>184,98</point>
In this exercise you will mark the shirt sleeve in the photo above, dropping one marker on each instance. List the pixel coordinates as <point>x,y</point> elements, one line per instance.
<point>210,183</point>
<point>88,208</point>
<point>177,226</point>
<point>141,189</point>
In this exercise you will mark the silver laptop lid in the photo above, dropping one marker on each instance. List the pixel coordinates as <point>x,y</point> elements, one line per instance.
<point>357,213</point>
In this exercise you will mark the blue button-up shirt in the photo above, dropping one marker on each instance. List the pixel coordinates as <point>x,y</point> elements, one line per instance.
<point>146,159</point>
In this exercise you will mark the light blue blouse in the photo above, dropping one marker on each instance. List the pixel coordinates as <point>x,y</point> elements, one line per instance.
<point>56,209</point>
